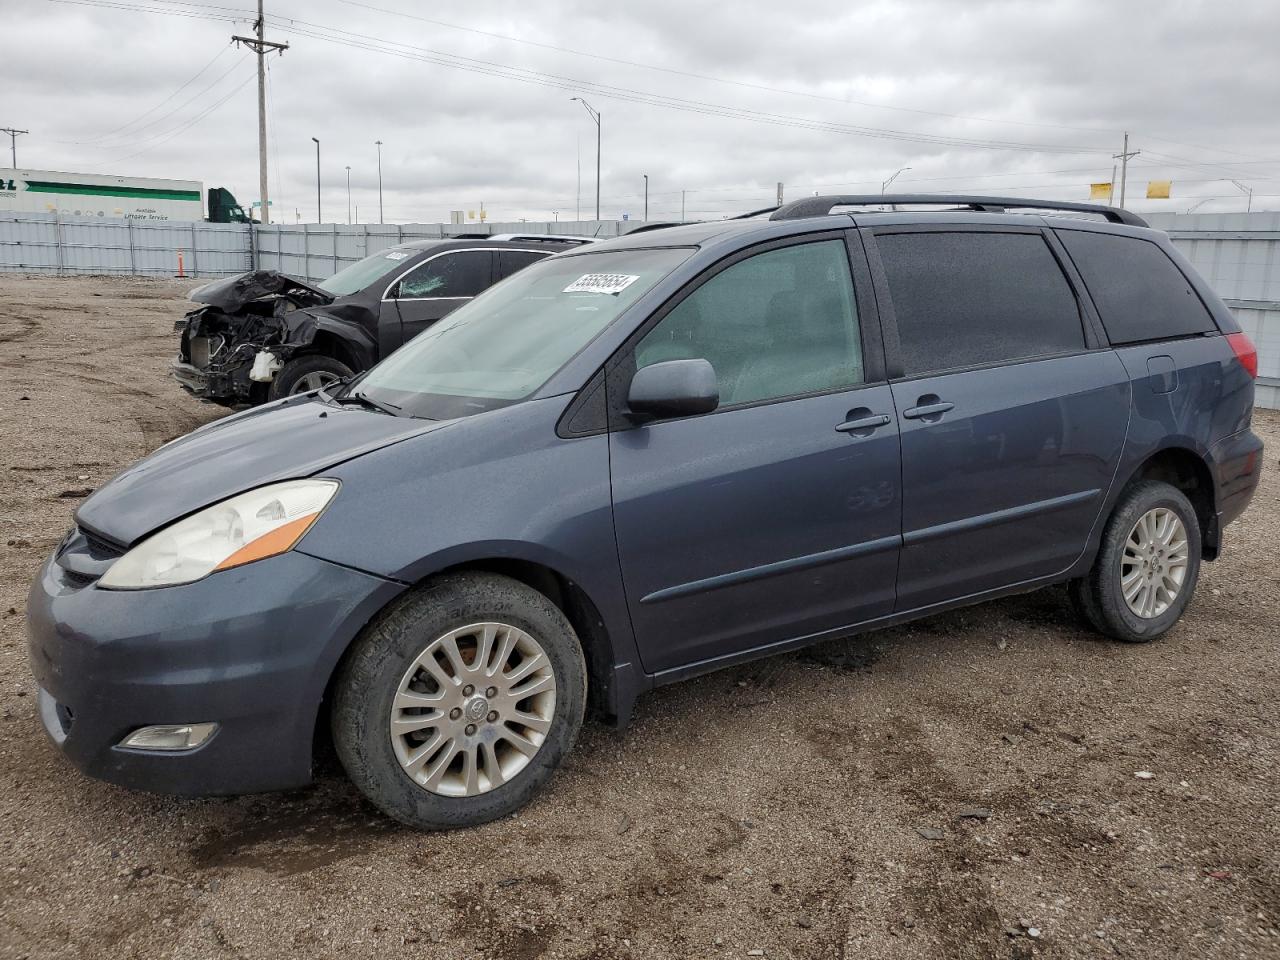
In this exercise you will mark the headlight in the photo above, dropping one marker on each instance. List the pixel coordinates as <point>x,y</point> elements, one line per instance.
<point>248,527</point>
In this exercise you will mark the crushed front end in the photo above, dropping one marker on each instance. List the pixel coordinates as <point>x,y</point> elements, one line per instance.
<point>234,342</point>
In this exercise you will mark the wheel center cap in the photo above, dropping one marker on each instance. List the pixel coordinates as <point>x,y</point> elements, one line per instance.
<point>477,708</point>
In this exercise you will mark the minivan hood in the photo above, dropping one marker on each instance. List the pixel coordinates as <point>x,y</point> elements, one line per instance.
<point>295,439</point>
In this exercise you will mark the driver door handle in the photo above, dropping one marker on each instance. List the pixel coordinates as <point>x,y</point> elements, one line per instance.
<point>863,423</point>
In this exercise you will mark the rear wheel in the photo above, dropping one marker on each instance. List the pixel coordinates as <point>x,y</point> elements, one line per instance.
<point>310,372</point>
<point>1147,566</point>
<point>457,705</point>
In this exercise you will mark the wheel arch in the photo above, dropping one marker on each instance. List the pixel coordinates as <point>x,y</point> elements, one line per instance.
<point>606,697</point>
<point>1186,469</point>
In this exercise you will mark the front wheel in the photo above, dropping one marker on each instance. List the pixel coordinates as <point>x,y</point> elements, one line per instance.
<point>306,373</point>
<point>1147,566</point>
<point>459,702</point>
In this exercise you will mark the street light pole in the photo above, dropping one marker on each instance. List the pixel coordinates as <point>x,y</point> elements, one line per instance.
<point>379,143</point>
<point>319,217</point>
<point>1248,192</point>
<point>646,198</point>
<point>596,116</point>
<point>348,194</point>
<point>885,185</point>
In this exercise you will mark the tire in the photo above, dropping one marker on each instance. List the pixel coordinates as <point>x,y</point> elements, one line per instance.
<point>1099,596</point>
<point>391,653</point>
<point>306,373</point>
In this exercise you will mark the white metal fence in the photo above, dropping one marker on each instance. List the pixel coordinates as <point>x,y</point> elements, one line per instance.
<point>51,243</point>
<point>315,251</point>
<point>1239,254</point>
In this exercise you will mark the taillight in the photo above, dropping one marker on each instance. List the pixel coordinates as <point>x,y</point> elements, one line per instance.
<point>1245,352</point>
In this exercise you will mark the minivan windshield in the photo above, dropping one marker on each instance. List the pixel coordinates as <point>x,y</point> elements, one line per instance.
<point>357,276</point>
<point>506,343</point>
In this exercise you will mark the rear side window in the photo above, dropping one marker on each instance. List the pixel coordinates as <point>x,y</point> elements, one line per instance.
<point>509,261</point>
<point>452,275</point>
<point>1139,292</point>
<point>963,299</point>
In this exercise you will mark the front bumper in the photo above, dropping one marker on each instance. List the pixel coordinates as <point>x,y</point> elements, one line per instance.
<point>219,386</point>
<point>251,649</point>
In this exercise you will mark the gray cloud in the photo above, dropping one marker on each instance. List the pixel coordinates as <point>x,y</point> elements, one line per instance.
<point>1191,71</point>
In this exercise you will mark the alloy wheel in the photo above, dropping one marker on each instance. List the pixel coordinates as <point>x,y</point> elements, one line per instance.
<point>473,709</point>
<point>314,381</point>
<point>1154,567</point>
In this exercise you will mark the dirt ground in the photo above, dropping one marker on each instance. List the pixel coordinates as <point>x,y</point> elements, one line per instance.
<point>772,810</point>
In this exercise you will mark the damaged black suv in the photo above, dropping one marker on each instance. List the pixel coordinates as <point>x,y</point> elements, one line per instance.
<point>264,335</point>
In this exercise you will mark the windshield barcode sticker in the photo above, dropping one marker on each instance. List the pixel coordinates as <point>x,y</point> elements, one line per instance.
<point>601,283</point>
<point>397,255</point>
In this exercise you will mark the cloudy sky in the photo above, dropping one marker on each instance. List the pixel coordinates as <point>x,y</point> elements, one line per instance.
<point>722,101</point>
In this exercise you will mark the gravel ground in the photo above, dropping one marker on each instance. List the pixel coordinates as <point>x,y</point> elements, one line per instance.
<point>813,805</point>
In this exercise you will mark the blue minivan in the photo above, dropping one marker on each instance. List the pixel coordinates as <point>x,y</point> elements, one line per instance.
<point>642,460</point>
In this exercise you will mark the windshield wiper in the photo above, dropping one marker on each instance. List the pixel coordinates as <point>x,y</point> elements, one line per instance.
<point>361,400</point>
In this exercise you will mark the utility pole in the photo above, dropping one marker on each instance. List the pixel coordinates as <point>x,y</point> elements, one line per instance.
<point>379,143</point>
<point>348,194</point>
<point>596,116</point>
<point>646,198</point>
<point>261,47</point>
<point>681,204</point>
<point>779,193</point>
<point>1123,156</point>
<point>578,202</point>
<point>13,142</point>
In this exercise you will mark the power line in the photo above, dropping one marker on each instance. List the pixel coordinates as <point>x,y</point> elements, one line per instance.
<point>196,76</point>
<point>140,8</point>
<point>177,130</point>
<point>491,68</point>
<point>845,101</point>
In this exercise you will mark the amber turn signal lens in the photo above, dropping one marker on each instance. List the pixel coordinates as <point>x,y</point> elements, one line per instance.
<point>278,540</point>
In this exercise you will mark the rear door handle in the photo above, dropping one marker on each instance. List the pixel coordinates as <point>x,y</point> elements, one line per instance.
<point>928,408</point>
<point>862,423</point>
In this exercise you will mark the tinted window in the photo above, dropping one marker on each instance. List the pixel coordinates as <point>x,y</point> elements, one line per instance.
<point>1139,292</point>
<point>509,261</point>
<point>462,274</point>
<point>777,324</point>
<point>969,298</point>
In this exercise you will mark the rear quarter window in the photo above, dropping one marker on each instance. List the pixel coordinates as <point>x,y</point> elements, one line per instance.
<point>972,298</point>
<point>1139,291</point>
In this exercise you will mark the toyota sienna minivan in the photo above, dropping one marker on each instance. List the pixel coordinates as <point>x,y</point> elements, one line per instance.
<point>638,461</point>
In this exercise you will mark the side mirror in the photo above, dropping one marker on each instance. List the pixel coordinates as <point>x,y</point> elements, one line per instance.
<point>674,388</point>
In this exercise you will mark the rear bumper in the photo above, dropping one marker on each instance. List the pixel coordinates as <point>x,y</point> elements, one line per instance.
<point>251,649</point>
<point>1236,464</point>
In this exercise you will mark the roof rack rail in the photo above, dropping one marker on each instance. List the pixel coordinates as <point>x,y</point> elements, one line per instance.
<point>542,238</point>
<point>654,225</point>
<point>821,206</point>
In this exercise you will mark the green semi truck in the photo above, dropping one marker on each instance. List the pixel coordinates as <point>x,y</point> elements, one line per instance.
<point>128,198</point>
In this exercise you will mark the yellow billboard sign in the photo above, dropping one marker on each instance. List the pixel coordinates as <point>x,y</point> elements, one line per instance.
<point>1159,189</point>
<point>1100,191</point>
